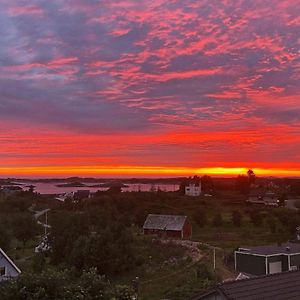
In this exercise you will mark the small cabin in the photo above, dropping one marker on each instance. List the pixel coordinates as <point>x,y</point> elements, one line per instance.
<point>172,226</point>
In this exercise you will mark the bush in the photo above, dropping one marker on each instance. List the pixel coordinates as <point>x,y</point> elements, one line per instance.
<point>256,217</point>
<point>236,218</point>
<point>200,217</point>
<point>297,204</point>
<point>203,272</point>
<point>218,220</point>
<point>5,238</point>
<point>62,285</point>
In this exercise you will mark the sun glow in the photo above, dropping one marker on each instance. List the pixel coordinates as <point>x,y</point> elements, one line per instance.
<point>153,171</point>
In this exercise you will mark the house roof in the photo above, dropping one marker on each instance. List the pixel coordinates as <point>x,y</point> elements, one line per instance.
<point>260,192</point>
<point>164,222</point>
<point>285,248</point>
<point>192,184</point>
<point>10,261</point>
<point>81,194</point>
<point>277,286</point>
<point>12,188</point>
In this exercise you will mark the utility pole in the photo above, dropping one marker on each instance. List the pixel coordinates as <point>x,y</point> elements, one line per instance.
<point>46,224</point>
<point>136,284</point>
<point>214,251</point>
<point>215,263</point>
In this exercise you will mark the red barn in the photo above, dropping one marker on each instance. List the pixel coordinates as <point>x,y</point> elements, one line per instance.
<point>168,225</point>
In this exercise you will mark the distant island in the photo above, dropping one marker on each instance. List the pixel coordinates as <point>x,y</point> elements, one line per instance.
<point>109,185</point>
<point>71,184</point>
<point>100,185</point>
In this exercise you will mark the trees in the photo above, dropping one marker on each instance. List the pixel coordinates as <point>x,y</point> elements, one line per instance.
<point>242,184</point>
<point>83,241</point>
<point>251,176</point>
<point>110,252</point>
<point>217,220</point>
<point>297,204</point>
<point>203,272</point>
<point>116,189</point>
<point>200,217</point>
<point>207,183</point>
<point>24,228</point>
<point>256,217</point>
<point>48,286</point>
<point>67,227</point>
<point>271,221</point>
<point>295,187</point>
<point>182,185</point>
<point>236,218</point>
<point>5,238</point>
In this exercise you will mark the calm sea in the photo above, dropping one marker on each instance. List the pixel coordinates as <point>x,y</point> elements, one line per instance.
<point>51,188</point>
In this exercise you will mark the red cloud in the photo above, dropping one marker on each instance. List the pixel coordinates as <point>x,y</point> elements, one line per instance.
<point>31,10</point>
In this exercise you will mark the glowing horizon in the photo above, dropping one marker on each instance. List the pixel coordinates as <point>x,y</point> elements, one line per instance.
<point>139,171</point>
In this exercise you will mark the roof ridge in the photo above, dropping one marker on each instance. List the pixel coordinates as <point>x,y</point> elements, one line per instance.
<point>167,215</point>
<point>10,261</point>
<point>257,277</point>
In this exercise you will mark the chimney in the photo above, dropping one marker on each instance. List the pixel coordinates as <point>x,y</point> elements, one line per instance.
<point>288,249</point>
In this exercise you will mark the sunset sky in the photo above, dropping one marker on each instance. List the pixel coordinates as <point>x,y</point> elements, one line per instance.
<point>149,88</point>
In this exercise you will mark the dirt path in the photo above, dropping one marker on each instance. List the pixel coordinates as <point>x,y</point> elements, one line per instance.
<point>192,248</point>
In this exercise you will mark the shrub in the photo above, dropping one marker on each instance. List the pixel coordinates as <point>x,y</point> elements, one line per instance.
<point>218,220</point>
<point>236,218</point>
<point>297,204</point>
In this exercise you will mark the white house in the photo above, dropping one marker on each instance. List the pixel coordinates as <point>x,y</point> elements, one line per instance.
<point>193,189</point>
<point>7,267</point>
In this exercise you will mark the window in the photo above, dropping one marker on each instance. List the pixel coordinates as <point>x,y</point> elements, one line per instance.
<point>2,271</point>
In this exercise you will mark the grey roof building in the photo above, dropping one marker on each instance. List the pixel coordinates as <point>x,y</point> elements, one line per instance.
<point>11,189</point>
<point>261,196</point>
<point>171,225</point>
<point>278,286</point>
<point>269,259</point>
<point>165,222</point>
<point>81,194</point>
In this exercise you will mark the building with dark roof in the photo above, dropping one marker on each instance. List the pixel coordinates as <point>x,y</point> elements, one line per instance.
<point>278,286</point>
<point>269,259</point>
<point>168,226</point>
<point>81,194</point>
<point>11,189</point>
<point>261,196</point>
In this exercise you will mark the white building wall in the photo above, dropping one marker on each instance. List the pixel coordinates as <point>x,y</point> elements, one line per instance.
<point>193,190</point>
<point>10,271</point>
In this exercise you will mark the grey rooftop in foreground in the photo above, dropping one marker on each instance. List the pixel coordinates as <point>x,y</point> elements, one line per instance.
<point>164,222</point>
<point>284,248</point>
<point>278,286</point>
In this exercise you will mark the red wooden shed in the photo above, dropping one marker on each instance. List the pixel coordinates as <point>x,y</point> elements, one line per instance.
<point>173,226</point>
